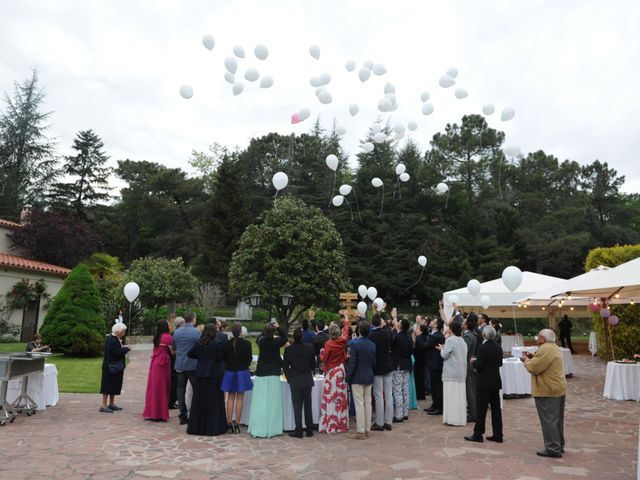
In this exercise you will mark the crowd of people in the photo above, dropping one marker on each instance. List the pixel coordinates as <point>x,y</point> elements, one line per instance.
<point>369,367</point>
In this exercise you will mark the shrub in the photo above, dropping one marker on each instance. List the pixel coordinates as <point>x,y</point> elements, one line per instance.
<point>74,323</point>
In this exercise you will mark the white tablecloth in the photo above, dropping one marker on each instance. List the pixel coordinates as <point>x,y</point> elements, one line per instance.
<point>567,360</point>
<point>593,343</point>
<point>287,406</point>
<point>622,381</point>
<point>515,378</point>
<point>510,341</point>
<point>42,387</point>
<point>516,352</point>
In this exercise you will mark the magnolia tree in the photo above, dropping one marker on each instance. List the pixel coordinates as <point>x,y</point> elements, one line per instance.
<point>295,250</point>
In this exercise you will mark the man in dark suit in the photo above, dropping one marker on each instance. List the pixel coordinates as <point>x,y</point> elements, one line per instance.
<point>362,360</point>
<point>383,382</point>
<point>319,339</point>
<point>420,356</point>
<point>299,363</point>
<point>434,364</point>
<point>487,362</point>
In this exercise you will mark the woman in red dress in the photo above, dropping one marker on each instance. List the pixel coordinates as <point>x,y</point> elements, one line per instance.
<point>156,405</point>
<point>334,410</point>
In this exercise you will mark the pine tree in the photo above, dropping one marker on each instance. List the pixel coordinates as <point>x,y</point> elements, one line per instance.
<point>88,177</point>
<point>27,163</point>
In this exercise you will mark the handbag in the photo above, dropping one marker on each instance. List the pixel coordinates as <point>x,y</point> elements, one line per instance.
<point>114,367</point>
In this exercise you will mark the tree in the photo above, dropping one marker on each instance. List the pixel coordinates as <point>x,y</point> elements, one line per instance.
<point>295,250</point>
<point>162,280</point>
<point>74,324</point>
<point>106,271</point>
<point>88,177</point>
<point>55,237</point>
<point>27,163</point>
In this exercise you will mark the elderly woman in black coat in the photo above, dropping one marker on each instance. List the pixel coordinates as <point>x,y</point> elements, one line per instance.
<point>113,366</point>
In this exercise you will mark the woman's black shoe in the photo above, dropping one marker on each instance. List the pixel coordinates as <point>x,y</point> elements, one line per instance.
<point>397,420</point>
<point>236,427</point>
<point>229,428</point>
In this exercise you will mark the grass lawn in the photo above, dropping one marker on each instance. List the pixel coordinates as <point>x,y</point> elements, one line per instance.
<point>75,375</point>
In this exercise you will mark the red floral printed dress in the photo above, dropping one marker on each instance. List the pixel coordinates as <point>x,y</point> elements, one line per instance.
<point>334,410</point>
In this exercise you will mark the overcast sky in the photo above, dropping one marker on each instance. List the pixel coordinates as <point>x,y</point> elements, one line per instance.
<point>569,68</point>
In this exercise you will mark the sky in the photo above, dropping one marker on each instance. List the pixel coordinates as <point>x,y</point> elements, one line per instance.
<point>569,69</point>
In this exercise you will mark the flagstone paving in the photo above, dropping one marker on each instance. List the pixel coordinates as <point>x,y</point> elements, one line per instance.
<point>72,441</point>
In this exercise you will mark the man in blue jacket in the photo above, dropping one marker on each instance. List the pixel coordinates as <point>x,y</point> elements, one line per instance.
<point>184,338</point>
<point>362,360</point>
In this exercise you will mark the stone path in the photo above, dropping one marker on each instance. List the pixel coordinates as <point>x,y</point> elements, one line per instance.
<point>72,441</point>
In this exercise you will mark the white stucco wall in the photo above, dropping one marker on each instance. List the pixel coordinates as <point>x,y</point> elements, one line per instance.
<point>5,243</point>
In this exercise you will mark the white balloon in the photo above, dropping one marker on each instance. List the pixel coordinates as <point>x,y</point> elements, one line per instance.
<point>379,303</point>
<point>376,182</point>
<point>362,308</point>
<point>237,88</point>
<point>332,162</point>
<point>399,128</point>
<point>266,82</point>
<point>230,77</point>
<point>389,88</point>
<point>208,42</point>
<point>512,277</point>
<point>384,104</point>
<point>325,97</point>
<point>507,114</point>
<point>454,299</point>
<point>314,51</point>
<point>427,108</point>
<point>304,113</point>
<point>372,293</point>
<point>261,52</point>
<point>340,130</point>
<point>368,64</point>
<point>488,109</point>
<point>404,177</point>
<point>422,261</point>
<point>511,150</point>
<point>252,74</point>
<point>238,51</point>
<point>446,81</point>
<point>364,74</point>
<point>280,180</point>
<point>391,97</point>
<point>345,190</point>
<point>442,188</point>
<point>368,147</point>
<point>424,96</point>
<point>354,109</point>
<point>350,65</point>
<point>337,201</point>
<point>131,291</point>
<point>379,69</point>
<point>315,82</point>
<point>380,137</point>
<point>399,135</point>
<point>186,91</point>
<point>452,72</point>
<point>362,291</point>
<point>231,64</point>
<point>461,93</point>
<point>474,287</point>
<point>485,301</point>
<point>412,126</point>
<point>400,169</point>
<point>375,128</point>
<point>325,79</point>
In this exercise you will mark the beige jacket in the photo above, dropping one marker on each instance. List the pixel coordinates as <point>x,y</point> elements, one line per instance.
<point>547,372</point>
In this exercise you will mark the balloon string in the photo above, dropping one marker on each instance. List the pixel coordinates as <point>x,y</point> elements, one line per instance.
<point>357,205</point>
<point>421,274</point>
<point>395,185</point>
<point>446,204</point>
<point>345,199</point>
<point>333,189</point>
<point>382,201</point>
<point>499,176</point>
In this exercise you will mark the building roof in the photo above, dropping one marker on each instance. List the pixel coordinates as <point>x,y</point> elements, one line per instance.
<point>14,261</point>
<point>8,224</point>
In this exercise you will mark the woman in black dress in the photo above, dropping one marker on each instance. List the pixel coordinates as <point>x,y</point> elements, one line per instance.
<point>207,416</point>
<point>113,366</point>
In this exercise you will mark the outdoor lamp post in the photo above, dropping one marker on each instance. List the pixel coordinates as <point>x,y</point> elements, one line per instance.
<point>254,301</point>
<point>287,300</point>
<point>414,302</point>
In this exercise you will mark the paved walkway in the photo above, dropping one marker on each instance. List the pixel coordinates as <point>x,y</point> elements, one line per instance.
<point>72,441</point>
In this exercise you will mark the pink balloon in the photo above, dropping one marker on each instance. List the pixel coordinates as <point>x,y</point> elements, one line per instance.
<point>613,320</point>
<point>295,118</point>
<point>594,307</point>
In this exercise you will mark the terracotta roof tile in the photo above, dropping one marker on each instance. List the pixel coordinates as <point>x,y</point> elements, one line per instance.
<point>22,263</point>
<point>8,224</point>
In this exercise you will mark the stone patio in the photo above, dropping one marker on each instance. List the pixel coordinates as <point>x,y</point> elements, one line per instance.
<point>72,441</point>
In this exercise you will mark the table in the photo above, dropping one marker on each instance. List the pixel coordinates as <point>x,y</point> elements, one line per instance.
<point>622,381</point>
<point>510,341</point>
<point>42,387</point>
<point>516,380</point>
<point>516,352</point>
<point>287,406</point>
<point>593,343</point>
<point>567,361</point>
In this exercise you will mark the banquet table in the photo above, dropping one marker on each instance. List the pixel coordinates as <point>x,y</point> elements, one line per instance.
<point>510,341</point>
<point>593,343</point>
<point>622,381</point>
<point>567,358</point>
<point>42,387</point>
<point>515,378</point>
<point>287,406</point>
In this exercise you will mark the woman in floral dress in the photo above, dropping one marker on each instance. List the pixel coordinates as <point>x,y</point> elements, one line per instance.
<point>334,410</point>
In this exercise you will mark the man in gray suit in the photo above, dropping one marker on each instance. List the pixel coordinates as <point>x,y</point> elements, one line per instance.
<point>184,339</point>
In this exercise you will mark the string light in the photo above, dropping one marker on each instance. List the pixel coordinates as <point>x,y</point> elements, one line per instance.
<point>617,295</point>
